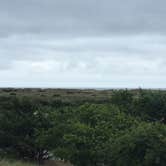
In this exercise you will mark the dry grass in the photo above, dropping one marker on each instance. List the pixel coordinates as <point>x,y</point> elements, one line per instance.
<point>19,163</point>
<point>14,163</point>
<point>56,163</point>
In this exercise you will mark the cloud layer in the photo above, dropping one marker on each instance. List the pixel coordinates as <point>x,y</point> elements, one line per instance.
<point>59,43</point>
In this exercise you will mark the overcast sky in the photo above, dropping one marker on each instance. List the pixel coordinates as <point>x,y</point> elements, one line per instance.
<point>83,43</point>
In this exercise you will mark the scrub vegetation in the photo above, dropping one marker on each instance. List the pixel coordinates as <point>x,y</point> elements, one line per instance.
<point>83,127</point>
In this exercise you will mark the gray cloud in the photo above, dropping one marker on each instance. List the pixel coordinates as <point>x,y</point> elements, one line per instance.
<point>77,17</point>
<point>83,43</point>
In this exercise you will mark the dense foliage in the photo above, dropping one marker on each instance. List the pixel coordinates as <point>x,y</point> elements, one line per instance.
<point>125,129</point>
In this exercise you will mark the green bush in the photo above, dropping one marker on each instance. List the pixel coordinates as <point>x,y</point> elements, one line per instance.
<point>144,145</point>
<point>127,130</point>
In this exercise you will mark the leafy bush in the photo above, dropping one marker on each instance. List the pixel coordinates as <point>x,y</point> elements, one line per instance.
<point>127,130</point>
<point>142,146</point>
<point>80,134</point>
